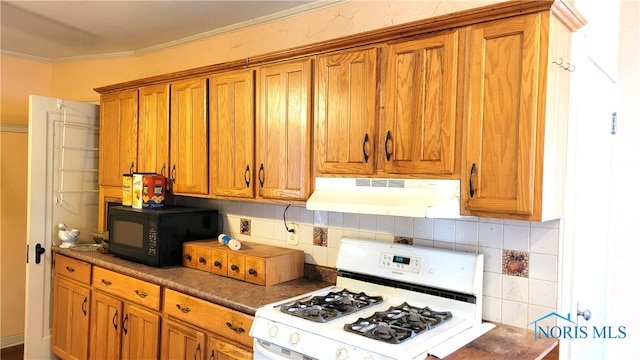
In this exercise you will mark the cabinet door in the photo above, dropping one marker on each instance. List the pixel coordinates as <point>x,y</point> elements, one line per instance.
<point>283,132</point>
<point>153,130</point>
<point>419,134</point>
<point>346,109</point>
<point>189,138</point>
<point>106,326</point>
<point>221,349</point>
<point>118,136</point>
<point>498,176</point>
<point>232,134</point>
<point>182,342</point>
<point>70,331</point>
<point>140,333</point>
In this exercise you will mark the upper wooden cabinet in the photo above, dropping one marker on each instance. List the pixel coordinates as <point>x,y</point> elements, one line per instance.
<point>153,129</point>
<point>232,133</point>
<point>419,132</point>
<point>118,136</point>
<point>346,112</point>
<point>516,121</point>
<point>283,141</point>
<point>189,145</point>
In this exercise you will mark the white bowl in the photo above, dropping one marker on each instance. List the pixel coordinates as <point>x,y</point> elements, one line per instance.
<point>68,237</point>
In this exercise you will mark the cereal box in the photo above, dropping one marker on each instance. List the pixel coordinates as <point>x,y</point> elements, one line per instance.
<point>153,191</point>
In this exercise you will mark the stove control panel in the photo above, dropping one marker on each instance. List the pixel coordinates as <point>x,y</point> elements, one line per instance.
<point>400,262</point>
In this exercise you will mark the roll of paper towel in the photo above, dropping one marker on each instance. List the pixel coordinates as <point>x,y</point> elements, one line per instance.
<point>233,244</point>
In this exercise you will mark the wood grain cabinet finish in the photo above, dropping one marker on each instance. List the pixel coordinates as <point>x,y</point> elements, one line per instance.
<point>283,134</point>
<point>121,327</point>
<point>419,132</point>
<point>189,140</point>
<point>118,136</point>
<point>221,321</point>
<point>71,309</point>
<point>232,133</point>
<point>516,124</point>
<point>153,129</point>
<point>346,112</point>
<point>182,342</point>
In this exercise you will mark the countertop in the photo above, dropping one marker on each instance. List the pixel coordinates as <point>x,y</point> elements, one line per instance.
<point>234,294</point>
<point>505,343</point>
<point>501,343</point>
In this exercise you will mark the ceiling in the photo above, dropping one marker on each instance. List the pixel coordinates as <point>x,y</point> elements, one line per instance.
<point>59,31</point>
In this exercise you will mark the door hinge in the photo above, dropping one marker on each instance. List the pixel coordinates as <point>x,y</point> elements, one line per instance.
<point>614,123</point>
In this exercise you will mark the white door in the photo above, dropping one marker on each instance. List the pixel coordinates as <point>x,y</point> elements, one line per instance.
<point>586,225</point>
<point>63,179</point>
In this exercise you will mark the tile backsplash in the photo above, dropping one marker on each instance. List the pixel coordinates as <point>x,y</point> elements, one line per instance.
<point>521,257</point>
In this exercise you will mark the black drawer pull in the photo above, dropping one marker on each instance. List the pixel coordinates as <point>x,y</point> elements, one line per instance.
<point>252,271</point>
<point>234,267</point>
<point>202,260</point>
<point>106,282</point>
<point>238,330</point>
<point>141,294</point>
<point>70,269</point>
<point>187,257</point>
<point>217,264</point>
<point>183,309</point>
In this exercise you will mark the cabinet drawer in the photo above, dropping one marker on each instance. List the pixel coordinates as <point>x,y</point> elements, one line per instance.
<point>219,262</point>
<point>203,259</point>
<point>218,319</point>
<point>189,258</point>
<point>73,269</point>
<point>254,270</point>
<point>235,266</point>
<point>134,290</point>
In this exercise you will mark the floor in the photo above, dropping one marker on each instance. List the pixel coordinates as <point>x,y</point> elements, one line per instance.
<point>12,353</point>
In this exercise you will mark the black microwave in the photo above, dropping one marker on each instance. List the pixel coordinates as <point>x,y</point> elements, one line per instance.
<point>155,237</point>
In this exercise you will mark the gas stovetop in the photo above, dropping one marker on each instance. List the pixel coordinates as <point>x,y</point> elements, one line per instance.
<point>390,301</point>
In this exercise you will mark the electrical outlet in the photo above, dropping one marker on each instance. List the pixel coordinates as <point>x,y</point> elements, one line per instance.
<point>292,237</point>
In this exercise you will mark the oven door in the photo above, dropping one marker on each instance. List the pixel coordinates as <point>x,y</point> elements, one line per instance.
<point>266,350</point>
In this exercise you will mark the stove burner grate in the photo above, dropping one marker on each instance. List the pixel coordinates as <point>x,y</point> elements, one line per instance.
<point>322,308</point>
<point>398,323</point>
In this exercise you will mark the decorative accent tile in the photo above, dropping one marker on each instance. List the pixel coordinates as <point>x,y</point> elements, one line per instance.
<point>245,227</point>
<point>320,236</point>
<point>403,240</point>
<point>515,263</point>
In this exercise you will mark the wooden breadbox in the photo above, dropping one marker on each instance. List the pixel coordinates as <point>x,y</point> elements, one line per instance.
<point>255,263</point>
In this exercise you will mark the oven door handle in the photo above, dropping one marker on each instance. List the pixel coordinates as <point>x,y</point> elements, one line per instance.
<point>272,352</point>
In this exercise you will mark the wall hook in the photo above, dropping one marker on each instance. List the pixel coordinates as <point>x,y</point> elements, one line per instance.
<point>558,63</point>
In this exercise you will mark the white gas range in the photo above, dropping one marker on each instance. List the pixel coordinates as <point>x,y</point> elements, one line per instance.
<point>391,301</point>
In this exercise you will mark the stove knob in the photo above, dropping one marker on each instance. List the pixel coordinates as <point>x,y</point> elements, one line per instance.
<point>273,331</point>
<point>342,353</point>
<point>294,338</point>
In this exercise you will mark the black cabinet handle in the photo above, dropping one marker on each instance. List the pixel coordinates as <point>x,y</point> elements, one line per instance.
<point>252,271</point>
<point>184,309</point>
<point>195,353</point>
<point>239,330</point>
<point>124,324</point>
<point>386,145</point>
<point>364,149</point>
<point>141,294</point>
<point>234,267</point>
<point>113,320</point>
<point>164,166</point>
<point>84,306</point>
<point>202,260</point>
<point>217,264</point>
<point>173,174</point>
<point>247,176</point>
<point>133,165</point>
<point>70,269</point>
<point>473,171</point>
<point>106,282</point>
<point>187,257</point>
<point>261,175</point>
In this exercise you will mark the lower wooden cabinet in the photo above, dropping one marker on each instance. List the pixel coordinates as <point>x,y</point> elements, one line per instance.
<point>120,330</point>
<point>184,341</point>
<point>70,332</point>
<point>101,314</point>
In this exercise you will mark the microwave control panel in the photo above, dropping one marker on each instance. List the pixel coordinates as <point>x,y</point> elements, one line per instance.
<point>400,262</point>
<point>153,239</point>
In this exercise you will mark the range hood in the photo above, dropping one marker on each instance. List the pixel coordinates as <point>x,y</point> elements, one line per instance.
<point>396,197</point>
